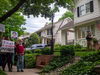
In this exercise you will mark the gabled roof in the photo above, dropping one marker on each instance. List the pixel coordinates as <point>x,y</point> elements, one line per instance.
<point>48,26</point>
<point>68,25</point>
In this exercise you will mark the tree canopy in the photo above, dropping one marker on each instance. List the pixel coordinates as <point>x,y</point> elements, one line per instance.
<point>14,22</point>
<point>67,14</point>
<point>31,7</point>
<point>33,39</point>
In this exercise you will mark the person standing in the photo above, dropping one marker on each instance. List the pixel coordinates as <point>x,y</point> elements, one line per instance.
<point>20,51</point>
<point>8,56</point>
<point>89,40</point>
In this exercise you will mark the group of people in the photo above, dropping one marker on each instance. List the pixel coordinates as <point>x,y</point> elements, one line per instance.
<point>6,57</point>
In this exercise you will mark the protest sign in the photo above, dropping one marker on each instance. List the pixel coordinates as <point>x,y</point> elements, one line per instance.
<point>2,28</point>
<point>14,35</point>
<point>7,46</point>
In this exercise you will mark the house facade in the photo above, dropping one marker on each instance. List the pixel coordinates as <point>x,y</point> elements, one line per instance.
<point>45,32</point>
<point>86,13</point>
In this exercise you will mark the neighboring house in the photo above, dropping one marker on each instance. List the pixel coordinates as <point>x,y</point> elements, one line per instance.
<point>67,33</point>
<point>45,32</point>
<point>25,36</point>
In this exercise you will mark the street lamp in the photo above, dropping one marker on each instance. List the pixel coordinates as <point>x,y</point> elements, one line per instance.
<point>52,17</point>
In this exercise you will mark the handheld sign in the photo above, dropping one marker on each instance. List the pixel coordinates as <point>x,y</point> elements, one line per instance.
<point>2,28</point>
<point>14,35</point>
<point>7,46</point>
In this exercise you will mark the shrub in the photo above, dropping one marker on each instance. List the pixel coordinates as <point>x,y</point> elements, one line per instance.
<point>37,51</point>
<point>28,52</point>
<point>94,40</point>
<point>2,73</point>
<point>83,49</point>
<point>56,62</point>
<point>67,50</point>
<point>57,49</point>
<point>46,51</point>
<point>85,66</point>
<point>57,45</point>
<point>90,48</point>
<point>77,49</point>
<point>30,61</point>
<point>78,46</point>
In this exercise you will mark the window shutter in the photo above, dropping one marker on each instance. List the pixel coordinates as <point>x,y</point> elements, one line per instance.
<point>78,12</point>
<point>91,6</point>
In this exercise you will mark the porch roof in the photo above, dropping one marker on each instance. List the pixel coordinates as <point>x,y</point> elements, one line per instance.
<point>68,25</point>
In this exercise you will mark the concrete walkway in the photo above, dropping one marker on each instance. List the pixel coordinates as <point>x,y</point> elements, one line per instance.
<point>26,71</point>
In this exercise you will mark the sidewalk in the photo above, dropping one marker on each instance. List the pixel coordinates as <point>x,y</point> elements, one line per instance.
<point>26,71</point>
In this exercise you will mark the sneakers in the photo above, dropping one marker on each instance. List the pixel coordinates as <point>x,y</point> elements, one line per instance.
<point>10,70</point>
<point>22,71</point>
<point>18,71</point>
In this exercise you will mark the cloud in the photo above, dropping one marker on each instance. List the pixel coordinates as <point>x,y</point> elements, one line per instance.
<point>35,23</point>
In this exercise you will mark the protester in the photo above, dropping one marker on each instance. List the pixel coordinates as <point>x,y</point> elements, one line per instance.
<point>8,56</point>
<point>0,48</point>
<point>12,55</point>
<point>89,40</point>
<point>23,43</point>
<point>20,51</point>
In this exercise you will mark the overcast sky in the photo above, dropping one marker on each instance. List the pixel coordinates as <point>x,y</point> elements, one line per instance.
<point>34,24</point>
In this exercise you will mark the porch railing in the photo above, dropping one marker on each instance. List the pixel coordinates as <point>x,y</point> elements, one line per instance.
<point>70,42</point>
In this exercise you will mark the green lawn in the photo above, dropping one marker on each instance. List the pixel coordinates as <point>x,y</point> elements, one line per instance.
<point>77,54</point>
<point>81,54</point>
<point>2,73</point>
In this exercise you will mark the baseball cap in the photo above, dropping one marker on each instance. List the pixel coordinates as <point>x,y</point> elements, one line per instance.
<point>88,31</point>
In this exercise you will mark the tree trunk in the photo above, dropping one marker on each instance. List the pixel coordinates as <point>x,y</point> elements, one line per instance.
<point>8,14</point>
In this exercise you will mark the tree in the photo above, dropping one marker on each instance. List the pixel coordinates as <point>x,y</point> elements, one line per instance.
<point>67,14</point>
<point>14,23</point>
<point>32,7</point>
<point>33,39</point>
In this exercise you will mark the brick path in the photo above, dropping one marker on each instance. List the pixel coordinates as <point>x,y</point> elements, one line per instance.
<point>26,71</point>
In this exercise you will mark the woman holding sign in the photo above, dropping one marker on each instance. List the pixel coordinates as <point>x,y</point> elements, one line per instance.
<point>8,56</point>
<point>20,52</point>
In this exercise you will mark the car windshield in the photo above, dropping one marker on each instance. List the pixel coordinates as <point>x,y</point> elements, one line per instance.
<point>39,46</point>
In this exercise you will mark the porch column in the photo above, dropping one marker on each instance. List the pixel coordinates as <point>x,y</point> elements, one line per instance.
<point>45,40</point>
<point>42,40</point>
<point>63,37</point>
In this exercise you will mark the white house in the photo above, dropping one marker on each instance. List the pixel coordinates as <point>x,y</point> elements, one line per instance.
<point>45,32</point>
<point>85,15</point>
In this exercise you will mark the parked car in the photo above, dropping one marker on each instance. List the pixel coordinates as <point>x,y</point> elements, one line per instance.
<point>37,46</point>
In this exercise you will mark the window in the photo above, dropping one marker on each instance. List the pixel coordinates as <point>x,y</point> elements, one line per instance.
<point>44,32</point>
<point>87,7</point>
<point>83,32</point>
<point>82,10</point>
<point>49,31</point>
<point>87,28</point>
<point>93,30</point>
<point>79,33</point>
<point>67,33</point>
